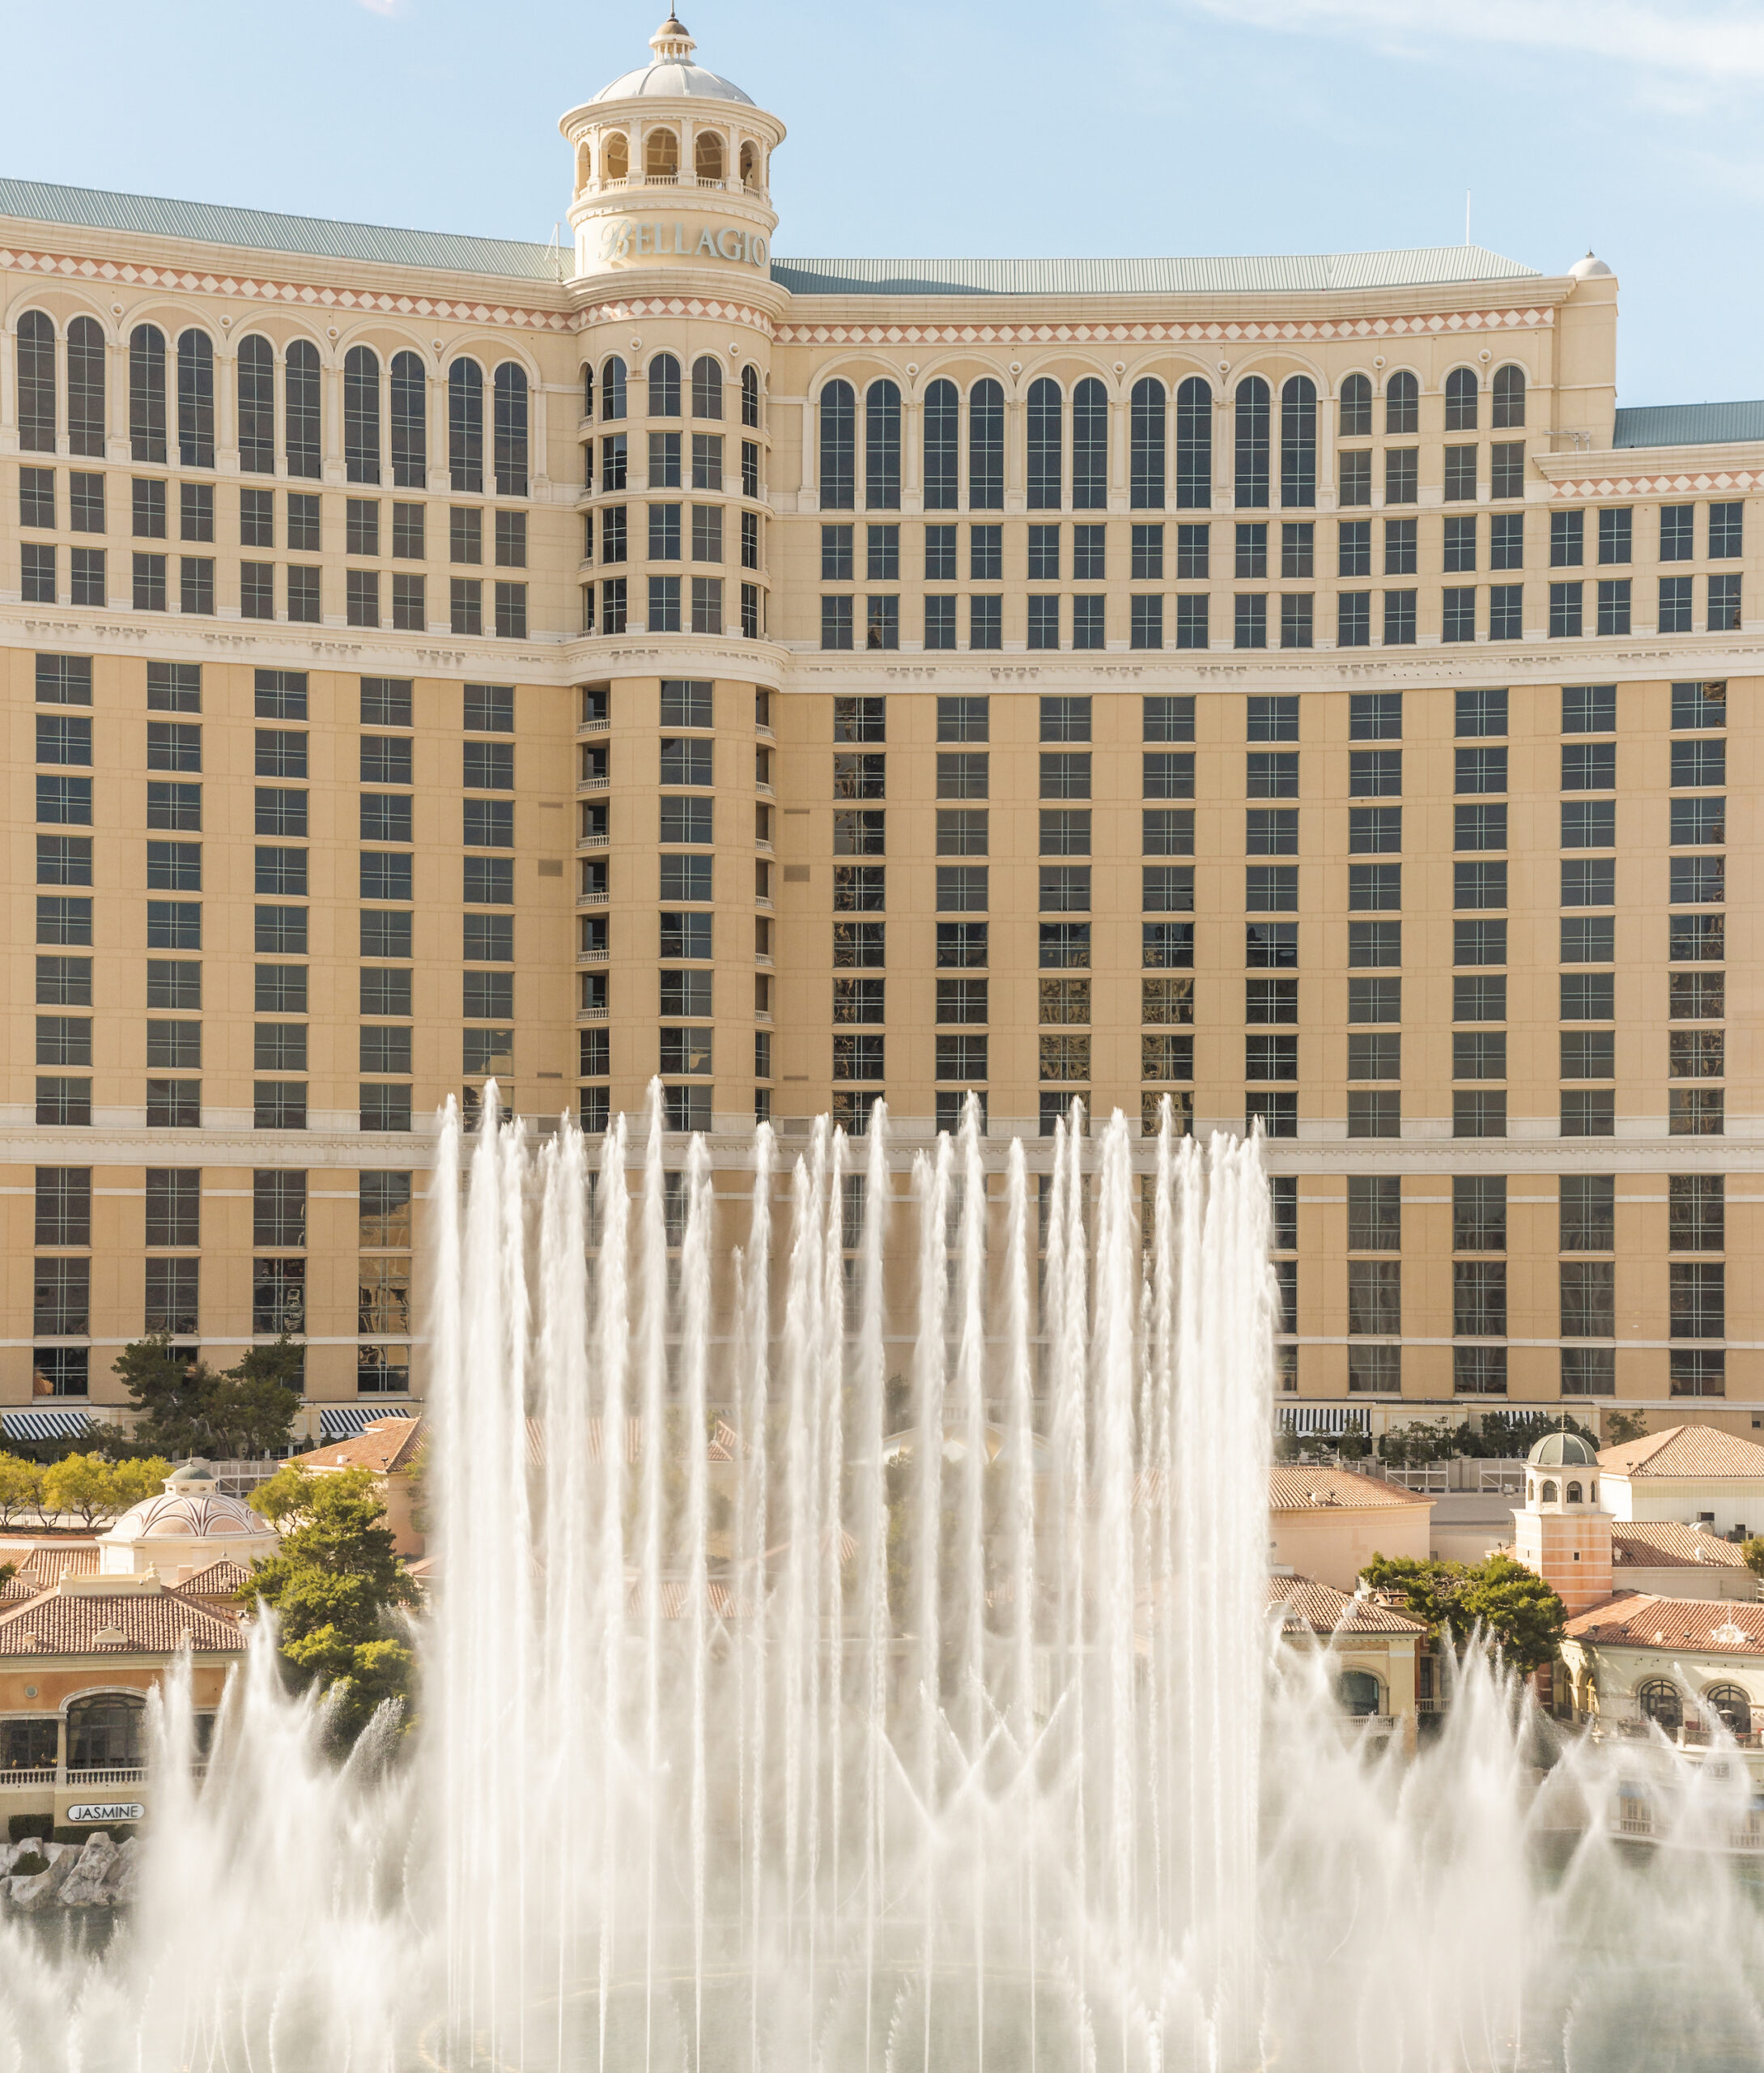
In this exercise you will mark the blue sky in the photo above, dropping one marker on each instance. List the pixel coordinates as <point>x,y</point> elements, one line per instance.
<point>1089,127</point>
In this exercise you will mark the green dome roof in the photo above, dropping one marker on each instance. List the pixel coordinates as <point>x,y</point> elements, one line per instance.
<point>1563,1450</point>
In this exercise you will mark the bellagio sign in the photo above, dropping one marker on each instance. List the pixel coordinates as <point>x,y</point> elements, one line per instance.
<point>621,238</point>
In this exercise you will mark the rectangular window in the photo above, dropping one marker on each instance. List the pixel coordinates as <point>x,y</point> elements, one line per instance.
<point>1479,770</point>
<point>1354,470</point>
<point>1479,942</point>
<point>1044,623</point>
<point>1614,535</point>
<point>1295,621</point>
<point>1250,621</point>
<point>1678,532</point>
<point>465,603</point>
<point>1401,474</point>
<point>1192,621</point>
<point>1564,617</point>
<point>1724,604</point>
<point>1614,605</point>
<point>1726,535</point>
<point>1145,622</point>
<point>1375,773</point>
<point>1457,615</point>
<point>1354,619</point>
<point>837,624</point>
<point>985,622</point>
<point>1460,475</point>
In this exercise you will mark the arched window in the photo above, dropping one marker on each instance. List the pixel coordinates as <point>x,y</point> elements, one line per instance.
<point>986,446</point>
<point>361,415</point>
<point>106,1730</point>
<point>838,447</point>
<point>1574,1493</point>
<point>409,422</point>
<point>1194,445</point>
<point>588,391</point>
<point>1252,442</point>
<point>195,401</point>
<point>1732,1707</point>
<point>256,406</point>
<point>1359,1694</point>
<point>1298,442</point>
<point>1356,407</point>
<point>511,430</point>
<point>943,449</point>
<point>1548,1493</point>
<point>1146,445</point>
<point>708,156</point>
<point>615,157</point>
<point>1402,404</point>
<point>749,166</point>
<point>1045,432</point>
<point>662,156</point>
<point>664,377</point>
<point>612,388</point>
<point>584,166</point>
<point>881,447</point>
<point>147,393</point>
<point>1090,445</point>
<point>1460,399</point>
<point>749,395</point>
<point>706,387</point>
<point>86,389</point>
<point>37,383</point>
<point>300,407</point>
<point>1509,412</point>
<point>1661,1701</point>
<point>466,424</point>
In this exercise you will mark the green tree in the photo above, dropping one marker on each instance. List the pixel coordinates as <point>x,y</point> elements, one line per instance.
<point>1620,1427</point>
<point>1513,1605</point>
<point>21,1488</point>
<point>187,1408</point>
<point>92,1488</point>
<point>334,1586</point>
<point>1752,1554</point>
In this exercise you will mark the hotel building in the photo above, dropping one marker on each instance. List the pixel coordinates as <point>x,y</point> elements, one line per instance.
<point>1289,685</point>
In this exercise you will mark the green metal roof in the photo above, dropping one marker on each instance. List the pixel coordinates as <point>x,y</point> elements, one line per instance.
<point>1293,274</point>
<point>264,230</point>
<point>1689,424</point>
<point>267,230</point>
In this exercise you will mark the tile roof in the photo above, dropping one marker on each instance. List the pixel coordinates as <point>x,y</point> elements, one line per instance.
<point>149,1622</point>
<point>1720,1626</point>
<point>1254,273</point>
<point>1321,1609</point>
<point>1305,1489</point>
<point>1670,1544</point>
<point>1684,1450</point>
<point>220,1580</point>
<point>387,1444</point>
<point>45,1561</point>
<point>1689,424</point>
<point>267,230</point>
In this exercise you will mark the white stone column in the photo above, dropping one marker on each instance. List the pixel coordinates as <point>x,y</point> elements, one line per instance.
<point>439,482</point>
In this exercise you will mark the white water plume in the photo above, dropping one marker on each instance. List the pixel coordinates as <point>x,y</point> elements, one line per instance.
<point>816,1684</point>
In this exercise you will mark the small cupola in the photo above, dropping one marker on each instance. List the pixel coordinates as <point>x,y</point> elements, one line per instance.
<point>1561,1474</point>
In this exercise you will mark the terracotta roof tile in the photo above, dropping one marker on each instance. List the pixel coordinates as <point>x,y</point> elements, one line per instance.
<point>386,1445</point>
<point>219,1582</point>
<point>49,1560</point>
<point>1301,1489</point>
<point>151,1622</point>
<point>1669,1544</point>
<point>1684,1450</point>
<point>1321,1609</point>
<point>1723,1626</point>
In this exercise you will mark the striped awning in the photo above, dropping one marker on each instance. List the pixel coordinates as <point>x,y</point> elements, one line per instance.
<point>44,1425</point>
<point>1319,1418</point>
<point>343,1421</point>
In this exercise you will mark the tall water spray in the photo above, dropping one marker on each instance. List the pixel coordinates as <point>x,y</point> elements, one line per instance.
<point>818,1685</point>
<point>815,1691</point>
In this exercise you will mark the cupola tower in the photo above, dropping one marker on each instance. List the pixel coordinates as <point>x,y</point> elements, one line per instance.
<point>1561,1532</point>
<point>672,175</point>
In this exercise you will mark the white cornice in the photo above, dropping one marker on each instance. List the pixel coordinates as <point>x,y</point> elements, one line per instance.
<point>172,636</point>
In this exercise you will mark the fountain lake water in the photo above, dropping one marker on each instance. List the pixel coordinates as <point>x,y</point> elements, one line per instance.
<point>792,1742</point>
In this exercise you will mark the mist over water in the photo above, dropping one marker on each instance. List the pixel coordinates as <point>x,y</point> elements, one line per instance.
<point>812,1687</point>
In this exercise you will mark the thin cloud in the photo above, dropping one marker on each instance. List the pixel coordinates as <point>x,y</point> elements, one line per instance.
<point>1712,42</point>
<point>392,10</point>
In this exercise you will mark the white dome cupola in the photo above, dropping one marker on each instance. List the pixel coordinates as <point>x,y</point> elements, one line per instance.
<point>671,171</point>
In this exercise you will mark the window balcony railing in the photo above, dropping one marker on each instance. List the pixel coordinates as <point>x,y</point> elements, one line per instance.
<point>592,899</point>
<point>600,784</point>
<point>39,1775</point>
<point>106,1774</point>
<point>592,956</point>
<point>595,727</point>
<point>593,842</point>
<point>591,1015</point>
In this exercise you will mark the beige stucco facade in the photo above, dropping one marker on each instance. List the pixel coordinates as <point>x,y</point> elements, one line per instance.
<point>1240,875</point>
